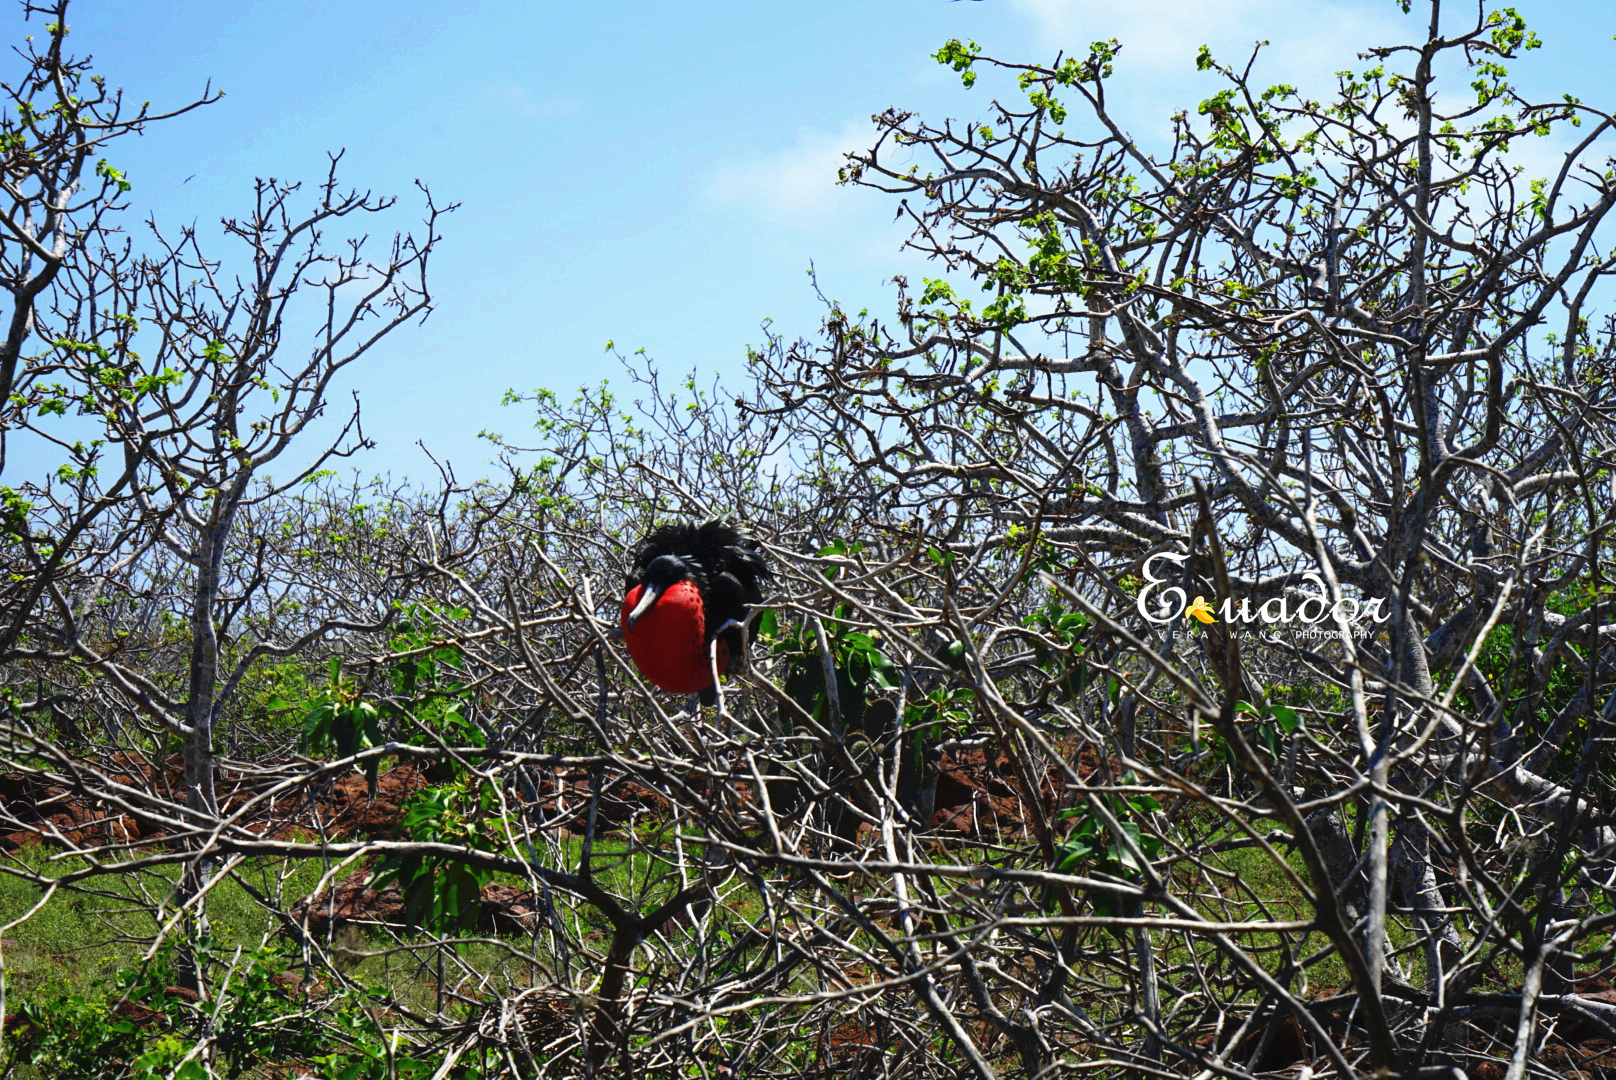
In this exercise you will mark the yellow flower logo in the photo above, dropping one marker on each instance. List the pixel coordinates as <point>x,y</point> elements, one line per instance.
<point>1201,609</point>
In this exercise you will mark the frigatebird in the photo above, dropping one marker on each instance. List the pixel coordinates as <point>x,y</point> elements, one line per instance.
<point>692,593</point>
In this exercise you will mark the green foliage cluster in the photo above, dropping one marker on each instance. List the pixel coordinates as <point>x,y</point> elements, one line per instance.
<point>441,894</point>
<point>861,669</point>
<point>430,697</point>
<point>140,1025</point>
<point>1092,844</point>
<point>430,704</point>
<point>1058,646</point>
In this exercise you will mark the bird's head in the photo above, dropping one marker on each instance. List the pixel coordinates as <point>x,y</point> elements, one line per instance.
<point>662,572</point>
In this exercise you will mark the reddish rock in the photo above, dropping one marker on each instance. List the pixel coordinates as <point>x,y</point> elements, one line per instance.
<point>352,900</point>
<point>978,800</point>
<point>623,801</point>
<point>337,808</point>
<point>291,984</point>
<point>508,910</point>
<point>505,910</point>
<point>136,1012</point>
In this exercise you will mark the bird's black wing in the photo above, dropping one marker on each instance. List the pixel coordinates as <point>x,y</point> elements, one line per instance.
<point>725,599</point>
<point>734,570</point>
<point>721,548</point>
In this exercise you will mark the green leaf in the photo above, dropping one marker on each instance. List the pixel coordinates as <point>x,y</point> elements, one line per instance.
<point>317,727</point>
<point>1286,717</point>
<point>1270,738</point>
<point>1073,621</point>
<point>1144,804</point>
<point>768,624</point>
<point>1124,854</point>
<point>1247,707</point>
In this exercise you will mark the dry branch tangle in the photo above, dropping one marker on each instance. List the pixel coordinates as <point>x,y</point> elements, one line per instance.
<point>1300,348</point>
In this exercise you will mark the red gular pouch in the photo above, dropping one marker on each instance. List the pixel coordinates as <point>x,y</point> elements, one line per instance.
<point>668,643</point>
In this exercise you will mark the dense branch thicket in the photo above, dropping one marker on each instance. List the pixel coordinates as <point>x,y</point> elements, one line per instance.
<point>1190,657</point>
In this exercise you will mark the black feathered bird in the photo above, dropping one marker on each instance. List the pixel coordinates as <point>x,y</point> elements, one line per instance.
<point>692,588</point>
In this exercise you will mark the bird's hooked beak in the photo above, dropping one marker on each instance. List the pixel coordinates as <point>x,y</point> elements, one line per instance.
<point>647,597</point>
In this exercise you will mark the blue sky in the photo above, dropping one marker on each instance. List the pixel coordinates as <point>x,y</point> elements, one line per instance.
<point>660,175</point>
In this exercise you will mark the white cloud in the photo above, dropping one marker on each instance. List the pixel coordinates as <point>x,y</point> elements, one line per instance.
<point>521,101</point>
<point>794,184</point>
<point>1162,37</point>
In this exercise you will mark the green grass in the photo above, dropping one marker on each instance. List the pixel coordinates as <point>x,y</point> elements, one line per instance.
<point>105,924</point>
<point>79,937</point>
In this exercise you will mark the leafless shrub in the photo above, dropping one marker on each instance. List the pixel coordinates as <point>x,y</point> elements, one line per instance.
<point>1191,659</point>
